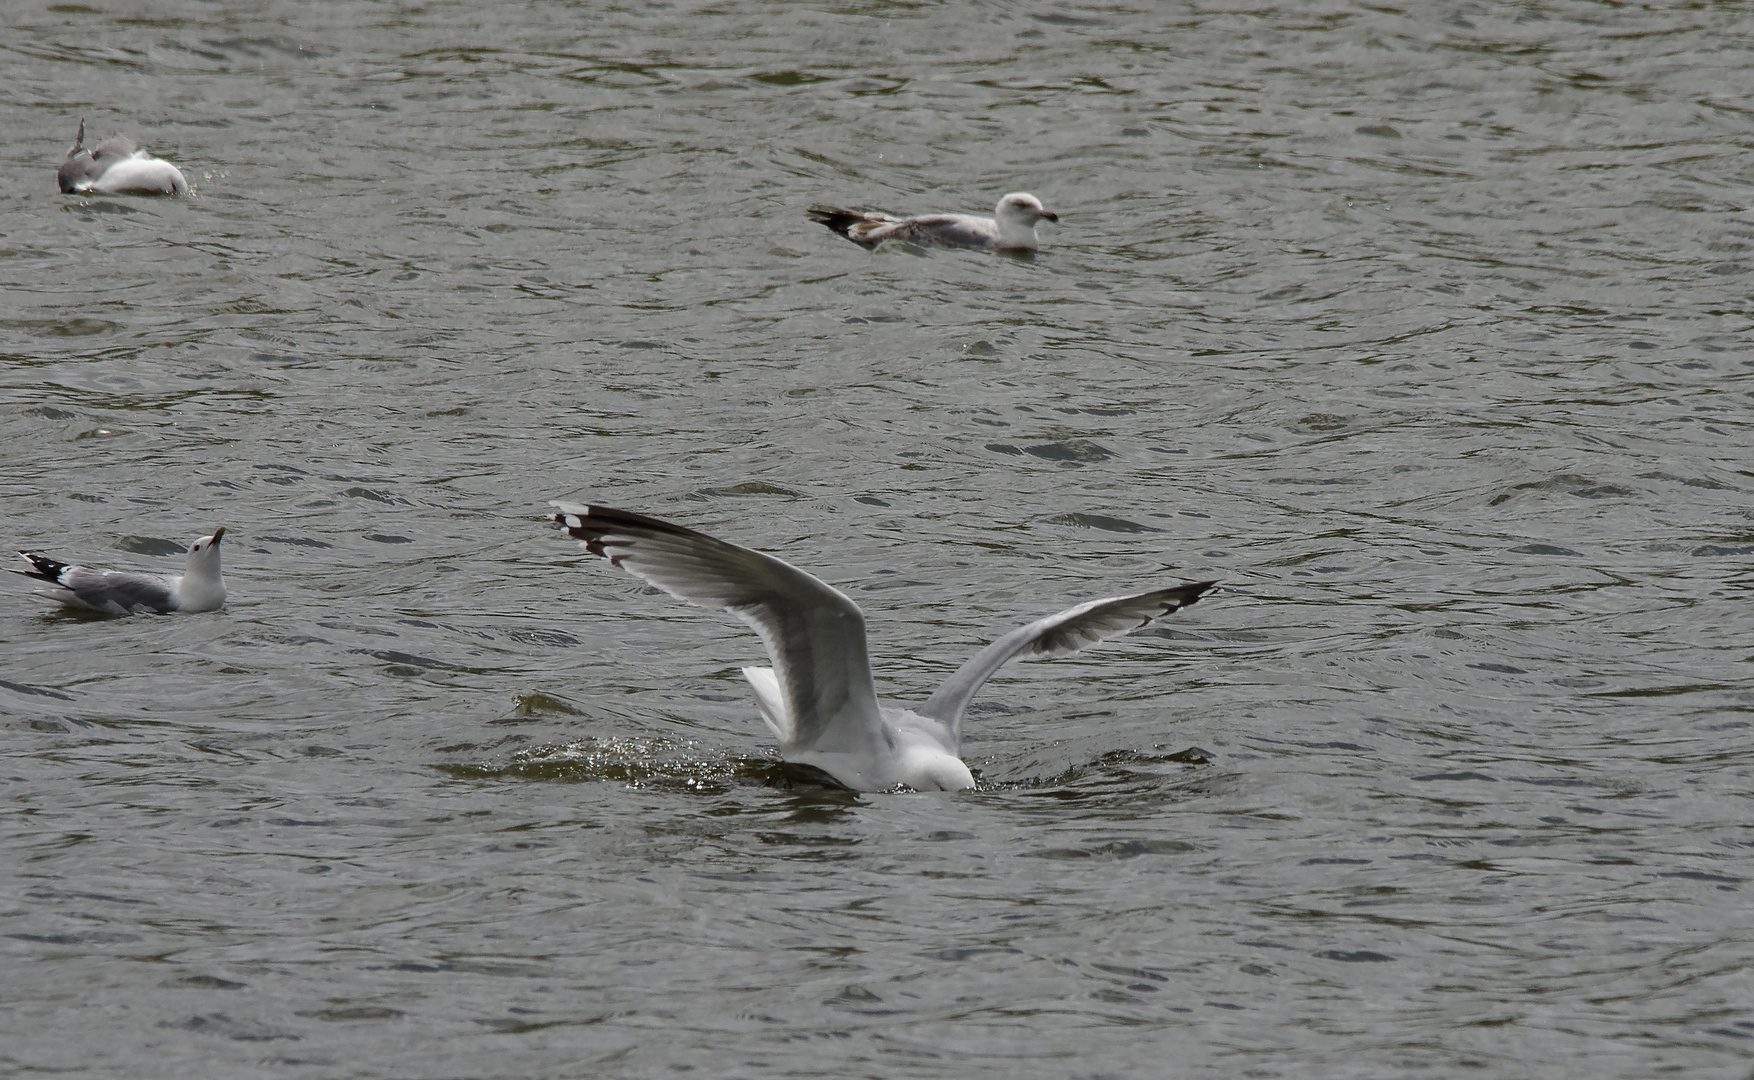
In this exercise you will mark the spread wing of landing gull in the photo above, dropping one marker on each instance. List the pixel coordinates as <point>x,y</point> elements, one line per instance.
<point>117,166</point>
<point>122,592</point>
<point>818,698</point>
<point>1011,228</point>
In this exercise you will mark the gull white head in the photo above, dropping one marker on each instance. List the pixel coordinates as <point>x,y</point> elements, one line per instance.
<point>204,553</point>
<point>203,585</point>
<point>1016,216</point>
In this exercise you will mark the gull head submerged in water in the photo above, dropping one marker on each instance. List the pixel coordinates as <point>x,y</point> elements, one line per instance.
<point>117,166</point>
<point>122,592</point>
<point>1011,228</point>
<point>818,697</point>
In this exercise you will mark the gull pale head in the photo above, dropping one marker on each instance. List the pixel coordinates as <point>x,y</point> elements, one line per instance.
<point>1023,208</point>
<point>1015,219</point>
<point>204,553</point>
<point>203,587</point>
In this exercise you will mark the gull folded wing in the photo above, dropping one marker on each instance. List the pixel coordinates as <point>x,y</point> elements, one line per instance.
<point>113,592</point>
<point>951,230</point>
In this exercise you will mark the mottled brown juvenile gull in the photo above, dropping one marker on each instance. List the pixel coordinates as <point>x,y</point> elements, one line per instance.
<point>1011,228</point>
<point>818,697</point>
<point>123,592</point>
<point>117,166</point>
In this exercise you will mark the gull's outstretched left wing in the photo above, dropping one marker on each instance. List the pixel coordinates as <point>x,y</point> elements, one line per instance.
<point>1068,631</point>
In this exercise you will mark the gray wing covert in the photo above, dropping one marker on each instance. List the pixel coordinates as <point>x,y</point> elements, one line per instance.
<point>947,230</point>
<point>112,590</point>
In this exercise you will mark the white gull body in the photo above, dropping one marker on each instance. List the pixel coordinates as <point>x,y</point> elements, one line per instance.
<point>123,592</point>
<point>818,698</point>
<point>1011,228</point>
<point>117,166</point>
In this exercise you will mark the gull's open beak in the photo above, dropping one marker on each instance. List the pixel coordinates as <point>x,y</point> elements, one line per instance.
<point>1050,215</point>
<point>218,534</point>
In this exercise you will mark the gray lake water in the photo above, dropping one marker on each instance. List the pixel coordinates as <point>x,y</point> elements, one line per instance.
<point>1427,330</point>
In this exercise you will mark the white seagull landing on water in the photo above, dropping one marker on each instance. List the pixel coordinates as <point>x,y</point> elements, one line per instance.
<point>818,697</point>
<point>1011,228</point>
<point>120,592</point>
<point>117,166</point>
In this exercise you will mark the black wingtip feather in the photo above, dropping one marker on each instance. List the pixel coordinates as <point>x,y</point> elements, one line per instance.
<point>598,522</point>
<point>1197,590</point>
<point>841,221</point>
<point>828,215</point>
<point>43,567</point>
<point>1178,597</point>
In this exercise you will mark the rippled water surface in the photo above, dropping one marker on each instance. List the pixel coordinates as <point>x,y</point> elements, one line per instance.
<point>1426,330</point>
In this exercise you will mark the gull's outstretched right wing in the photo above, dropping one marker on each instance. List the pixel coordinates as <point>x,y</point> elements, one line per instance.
<point>814,634</point>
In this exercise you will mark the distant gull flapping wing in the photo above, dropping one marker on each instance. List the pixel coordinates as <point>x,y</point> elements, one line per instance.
<point>818,697</point>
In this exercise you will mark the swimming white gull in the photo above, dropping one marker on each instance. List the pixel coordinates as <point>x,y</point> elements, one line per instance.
<point>117,166</point>
<point>818,698</point>
<point>123,592</point>
<point>1011,228</point>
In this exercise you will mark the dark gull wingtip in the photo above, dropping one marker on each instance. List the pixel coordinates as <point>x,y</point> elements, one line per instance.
<point>1199,589</point>
<point>43,568</point>
<point>1177,597</point>
<point>590,523</point>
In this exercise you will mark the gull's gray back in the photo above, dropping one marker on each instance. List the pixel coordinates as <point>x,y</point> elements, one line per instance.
<point>958,230</point>
<point>108,590</point>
